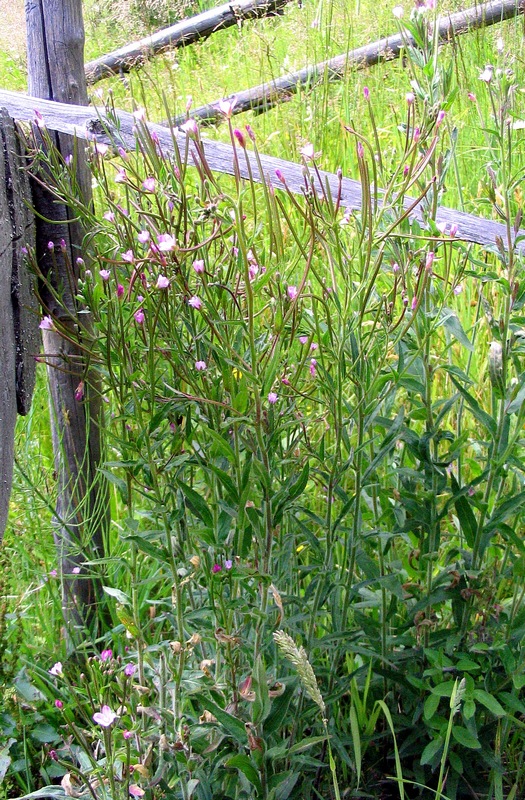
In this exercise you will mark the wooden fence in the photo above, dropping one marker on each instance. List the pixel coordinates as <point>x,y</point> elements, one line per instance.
<point>19,342</point>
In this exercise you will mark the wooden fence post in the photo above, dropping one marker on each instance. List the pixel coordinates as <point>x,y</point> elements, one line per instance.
<point>55,46</point>
<point>18,314</point>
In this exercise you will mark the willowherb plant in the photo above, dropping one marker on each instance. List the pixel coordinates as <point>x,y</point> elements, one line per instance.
<point>297,437</point>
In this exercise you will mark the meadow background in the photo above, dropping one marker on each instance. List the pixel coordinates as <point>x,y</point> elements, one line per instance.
<point>314,438</point>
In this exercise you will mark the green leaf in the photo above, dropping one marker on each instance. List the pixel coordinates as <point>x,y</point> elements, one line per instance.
<point>431,750</point>
<point>244,764</point>
<point>197,504</point>
<point>443,689</point>
<point>120,596</point>
<point>154,550</point>
<point>516,403</point>
<point>465,738</point>
<point>304,744</point>
<point>504,510</point>
<point>5,759</point>
<point>466,517</point>
<point>482,417</point>
<point>490,702</point>
<point>45,733</point>
<point>262,705</point>
<point>55,792</point>
<point>451,323</point>
<point>233,725</point>
<point>356,742</point>
<point>431,706</point>
<point>455,762</point>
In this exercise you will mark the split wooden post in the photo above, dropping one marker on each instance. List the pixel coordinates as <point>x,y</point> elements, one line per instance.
<point>18,313</point>
<point>55,46</point>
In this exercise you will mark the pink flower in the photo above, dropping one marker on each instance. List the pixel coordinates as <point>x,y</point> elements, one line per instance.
<point>292,292</point>
<point>139,317</point>
<point>105,717</point>
<point>272,398</point>
<point>395,267</point>
<point>127,734</point>
<point>140,114</point>
<point>101,149</point>
<point>307,152</point>
<point>109,215</point>
<point>128,256</point>
<point>240,138</point>
<point>143,237</point>
<point>487,74</point>
<point>413,304</point>
<point>121,176</point>
<point>429,261</point>
<point>228,564</point>
<point>216,568</point>
<point>312,368</point>
<point>130,670</point>
<point>47,324</point>
<point>198,266</point>
<point>76,570</point>
<point>162,282</point>
<point>458,289</point>
<point>250,132</point>
<point>314,346</point>
<point>135,791</point>
<point>53,573</point>
<point>190,128</point>
<point>417,134</point>
<point>303,339</point>
<point>149,185</point>
<point>201,366</point>
<point>165,242</point>
<point>366,93</point>
<point>440,118</point>
<point>398,12</point>
<point>50,245</point>
<point>410,98</point>
<point>39,119</point>
<point>106,655</point>
<point>105,274</point>
<point>120,290</point>
<point>360,150</point>
<point>279,175</point>
<point>122,153</point>
<point>56,669</point>
<point>195,302</point>
<point>472,97</point>
<point>79,392</point>
<point>59,704</point>
<point>226,107</point>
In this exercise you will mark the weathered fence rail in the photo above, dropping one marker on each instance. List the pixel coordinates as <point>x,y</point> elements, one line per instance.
<point>18,313</point>
<point>186,32</point>
<point>266,95</point>
<point>82,122</point>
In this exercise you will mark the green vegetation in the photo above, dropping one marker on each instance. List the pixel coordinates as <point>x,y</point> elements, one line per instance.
<point>314,444</point>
